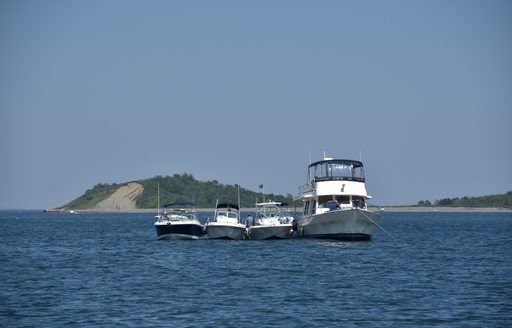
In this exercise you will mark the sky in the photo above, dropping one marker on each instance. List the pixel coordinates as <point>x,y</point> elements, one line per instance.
<point>248,92</point>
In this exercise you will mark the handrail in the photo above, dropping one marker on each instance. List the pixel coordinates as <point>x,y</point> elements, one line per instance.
<point>321,179</point>
<point>305,189</point>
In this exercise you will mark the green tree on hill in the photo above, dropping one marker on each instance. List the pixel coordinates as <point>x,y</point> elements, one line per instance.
<point>185,187</point>
<point>501,201</point>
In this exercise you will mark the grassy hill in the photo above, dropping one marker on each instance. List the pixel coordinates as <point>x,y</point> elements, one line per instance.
<point>178,188</point>
<point>92,197</point>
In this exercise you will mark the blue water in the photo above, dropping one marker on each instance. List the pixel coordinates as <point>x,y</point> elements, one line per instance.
<point>107,270</point>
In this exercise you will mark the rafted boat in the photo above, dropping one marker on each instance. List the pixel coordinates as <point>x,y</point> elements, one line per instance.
<point>335,202</point>
<point>225,223</point>
<point>271,222</point>
<point>178,221</point>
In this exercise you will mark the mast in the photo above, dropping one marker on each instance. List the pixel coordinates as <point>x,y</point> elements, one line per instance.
<point>158,203</point>
<point>262,192</point>
<point>238,203</point>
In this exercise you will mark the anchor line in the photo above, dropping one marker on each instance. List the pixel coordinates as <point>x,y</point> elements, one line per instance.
<point>369,218</point>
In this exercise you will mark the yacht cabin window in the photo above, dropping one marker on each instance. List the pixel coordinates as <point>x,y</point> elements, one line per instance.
<point>306,208</point>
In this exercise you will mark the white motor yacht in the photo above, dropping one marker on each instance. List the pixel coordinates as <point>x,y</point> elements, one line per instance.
<point>335,202</point>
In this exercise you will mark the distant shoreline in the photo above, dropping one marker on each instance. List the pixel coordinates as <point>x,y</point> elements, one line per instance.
<point>390,209</point>
<point>440,209</point>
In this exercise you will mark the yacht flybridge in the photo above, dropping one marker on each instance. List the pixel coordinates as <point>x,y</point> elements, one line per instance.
<point>335,202</point>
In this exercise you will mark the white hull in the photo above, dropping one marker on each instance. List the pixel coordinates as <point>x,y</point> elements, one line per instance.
<point>178,236</point>
<point>216,230</point>
<point>347,224</point>
<point>278,231</point>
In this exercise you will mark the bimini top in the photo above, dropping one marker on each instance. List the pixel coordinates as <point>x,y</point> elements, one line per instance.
<point>228,205</point>
<point>178,204</point>
<point>336,169</point>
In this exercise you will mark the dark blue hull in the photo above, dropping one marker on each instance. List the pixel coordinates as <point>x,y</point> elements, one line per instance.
<point>179,231</point>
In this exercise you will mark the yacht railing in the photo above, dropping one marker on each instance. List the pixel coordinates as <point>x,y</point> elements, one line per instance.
<point>338,178</point>
<point>304,189</point>
<point>176,217</point>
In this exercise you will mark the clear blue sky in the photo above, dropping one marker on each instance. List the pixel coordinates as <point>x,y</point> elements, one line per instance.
<point>242,92</point>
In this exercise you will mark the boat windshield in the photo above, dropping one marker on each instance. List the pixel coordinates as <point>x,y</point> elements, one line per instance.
<point>268,212</point>
<point>228,214</point>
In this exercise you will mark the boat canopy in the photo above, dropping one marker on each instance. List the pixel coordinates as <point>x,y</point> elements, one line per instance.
<point>338,161</point>
<point>336,169</point>
<point>228,205</point>
<point>178,204</point>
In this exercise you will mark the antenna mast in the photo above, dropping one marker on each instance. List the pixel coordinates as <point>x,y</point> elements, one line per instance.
<point>158,202</point>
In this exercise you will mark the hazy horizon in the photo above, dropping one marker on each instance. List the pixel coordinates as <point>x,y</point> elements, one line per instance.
<point>248,92</point>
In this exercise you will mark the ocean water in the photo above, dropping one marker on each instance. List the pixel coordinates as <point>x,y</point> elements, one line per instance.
<point>108,270</point>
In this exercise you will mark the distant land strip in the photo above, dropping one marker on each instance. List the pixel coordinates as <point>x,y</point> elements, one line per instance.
<point>390,209</point>
<point>145,195</point>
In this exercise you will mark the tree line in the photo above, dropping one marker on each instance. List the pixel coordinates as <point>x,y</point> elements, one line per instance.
<point>502,200</point>
<point>185,188</point>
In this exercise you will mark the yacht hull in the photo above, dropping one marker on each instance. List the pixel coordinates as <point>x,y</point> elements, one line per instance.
<point>179,231</point>
<point>225,231</point>
<point>344,224</point>
<point>279,231</point>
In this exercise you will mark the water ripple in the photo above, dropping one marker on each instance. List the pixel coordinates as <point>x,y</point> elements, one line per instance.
<point>445,270</point>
